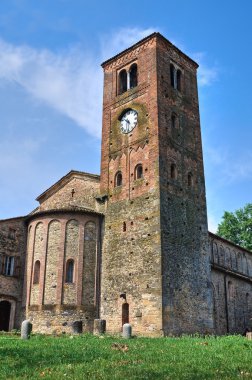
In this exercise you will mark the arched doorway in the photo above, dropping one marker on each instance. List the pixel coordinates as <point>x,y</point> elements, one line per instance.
<point>125,313</point>
<point>5,309</point>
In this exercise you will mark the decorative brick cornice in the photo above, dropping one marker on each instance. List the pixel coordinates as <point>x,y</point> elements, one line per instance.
<point>74,209</point>
<point>134,50</point>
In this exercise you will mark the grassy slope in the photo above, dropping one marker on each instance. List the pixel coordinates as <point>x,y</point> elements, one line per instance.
<point>89,357</point>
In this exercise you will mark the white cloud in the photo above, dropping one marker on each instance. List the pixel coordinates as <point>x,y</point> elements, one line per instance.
<point>207,75</point>
<point>212,223</point>
<point>113,44</point>
<point>229,170</point>
<point>70,81</point>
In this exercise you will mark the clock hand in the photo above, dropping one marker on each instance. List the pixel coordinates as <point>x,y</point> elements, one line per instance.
<point>127,126</point>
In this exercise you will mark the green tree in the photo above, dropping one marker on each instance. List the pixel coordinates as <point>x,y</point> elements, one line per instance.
<point>237,226</point>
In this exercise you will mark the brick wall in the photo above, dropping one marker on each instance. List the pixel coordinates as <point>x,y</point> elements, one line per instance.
<point>176,253</point>
<point>54,238</point>
<point>131,261</point>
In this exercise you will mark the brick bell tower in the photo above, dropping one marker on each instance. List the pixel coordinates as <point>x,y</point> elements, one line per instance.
<point>155,262</point>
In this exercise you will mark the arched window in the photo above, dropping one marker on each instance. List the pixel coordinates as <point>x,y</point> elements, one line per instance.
<point>125,313</point>
<point>124,227</point>
<point>133,75</point>
<point>176,76</point>
<point>69,271</point>
<point>36,274</point>
<point>139,171</point>
<point>122,82</point>
<point>173,171</point>
<point>178,80</point>
<point>118,179</point>
<point>172,75</point>
<point>189,179</point>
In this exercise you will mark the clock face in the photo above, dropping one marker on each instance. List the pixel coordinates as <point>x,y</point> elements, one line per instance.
<point>128,121</point>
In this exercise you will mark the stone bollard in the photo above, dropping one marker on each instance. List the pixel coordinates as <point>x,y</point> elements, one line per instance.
<point>99,326</point>
<point>26,329</point>
<point>77,327</point>
<point>249,335</point>
<point>127,330</point>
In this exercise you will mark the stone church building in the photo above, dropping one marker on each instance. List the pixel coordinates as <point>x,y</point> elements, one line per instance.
<point>131,244</point>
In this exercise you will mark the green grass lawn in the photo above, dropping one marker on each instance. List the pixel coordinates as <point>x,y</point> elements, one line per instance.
<point>90,357</point>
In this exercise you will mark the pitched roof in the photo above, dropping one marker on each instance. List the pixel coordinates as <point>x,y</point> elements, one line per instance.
<point>155,34</point>
<point>63,181</point>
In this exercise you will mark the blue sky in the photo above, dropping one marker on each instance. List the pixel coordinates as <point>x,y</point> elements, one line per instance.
<point>51,89</point>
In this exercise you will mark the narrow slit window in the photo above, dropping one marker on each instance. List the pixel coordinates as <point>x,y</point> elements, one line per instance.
<point>36,275</point>
<point>125,313</point>
<point>69,271</point>
<point>190,180</point>
<point>172,75</point>
<point>173,171</point>
<point>173,121</point>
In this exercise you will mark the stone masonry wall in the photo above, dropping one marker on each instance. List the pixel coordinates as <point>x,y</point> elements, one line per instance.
<point>187,304</point>
<point>13,243</point>
<point>89,264</point>
<point>231,286</point>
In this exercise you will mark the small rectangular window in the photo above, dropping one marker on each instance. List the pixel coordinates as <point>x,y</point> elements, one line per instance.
<point>12,234</point>
<point>9,266</point>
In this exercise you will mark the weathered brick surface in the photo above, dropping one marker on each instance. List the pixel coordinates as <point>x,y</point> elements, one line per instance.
<point>132,258</point>
<point>59,236</point>
<point>176,254</point>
